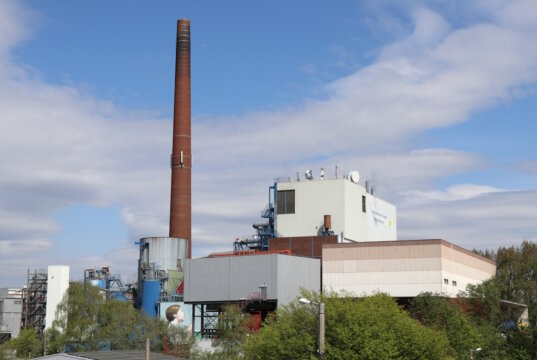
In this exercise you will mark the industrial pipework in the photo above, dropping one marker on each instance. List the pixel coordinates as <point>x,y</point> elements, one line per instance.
<point>181,158</point>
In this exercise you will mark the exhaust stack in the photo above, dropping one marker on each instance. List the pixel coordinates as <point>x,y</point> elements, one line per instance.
<point>181,158</point>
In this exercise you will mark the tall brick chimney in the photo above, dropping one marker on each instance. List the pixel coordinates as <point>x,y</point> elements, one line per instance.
<point>181,158</point>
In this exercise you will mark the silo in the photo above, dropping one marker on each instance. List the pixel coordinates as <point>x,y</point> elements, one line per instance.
<point>166,252</point>
<point>151,296</point>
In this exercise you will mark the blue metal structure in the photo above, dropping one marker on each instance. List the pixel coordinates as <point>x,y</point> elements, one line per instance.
<point>111,284</point>
<point>265,230</point>
<point>151,296</point>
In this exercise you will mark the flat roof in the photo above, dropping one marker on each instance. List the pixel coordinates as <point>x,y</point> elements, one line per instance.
<point>410,242</point>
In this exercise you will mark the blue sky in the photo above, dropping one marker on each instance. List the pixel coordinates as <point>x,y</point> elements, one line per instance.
<point>435,101</point>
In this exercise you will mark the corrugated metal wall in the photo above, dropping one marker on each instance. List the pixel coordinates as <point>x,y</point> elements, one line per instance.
<point>235,278</point>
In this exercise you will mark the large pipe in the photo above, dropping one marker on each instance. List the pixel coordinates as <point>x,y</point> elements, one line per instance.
<point>181,159</point>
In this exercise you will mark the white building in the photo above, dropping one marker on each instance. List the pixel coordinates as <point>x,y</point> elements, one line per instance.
<point>403,268</point>
<point>356,214</point>
<point>57,285</point>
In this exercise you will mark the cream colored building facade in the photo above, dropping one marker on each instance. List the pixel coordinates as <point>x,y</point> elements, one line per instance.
<point>356,215</point>
<point>403,268</point>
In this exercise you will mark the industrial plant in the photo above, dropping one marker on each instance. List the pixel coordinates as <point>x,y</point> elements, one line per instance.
<point>317,232</point>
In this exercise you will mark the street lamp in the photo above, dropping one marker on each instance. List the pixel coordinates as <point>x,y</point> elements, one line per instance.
<point>321,323</point>
<point>471,352</point>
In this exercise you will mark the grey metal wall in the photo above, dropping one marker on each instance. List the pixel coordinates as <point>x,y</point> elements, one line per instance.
<point>234,278</point>
<point>10,316</point>
<point>295,273</point>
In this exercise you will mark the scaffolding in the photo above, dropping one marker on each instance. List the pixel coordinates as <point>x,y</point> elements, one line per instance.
<point>35,301</point>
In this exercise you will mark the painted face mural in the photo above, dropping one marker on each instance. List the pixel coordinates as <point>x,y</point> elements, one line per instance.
<point>176,316</point>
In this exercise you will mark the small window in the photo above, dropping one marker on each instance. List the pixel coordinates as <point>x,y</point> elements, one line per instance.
<point>285,202</point>
<point>446,281</point>
<point>363,203</point>
<point>454,283</point>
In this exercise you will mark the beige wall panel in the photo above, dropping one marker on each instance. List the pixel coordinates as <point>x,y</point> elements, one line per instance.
<point>397,290</point>
<point>466,259</point>
<point>332,266</point>
<point>381,265</point>
<point>381,252</point>
<point>465,270</point>
<point>383,278</point>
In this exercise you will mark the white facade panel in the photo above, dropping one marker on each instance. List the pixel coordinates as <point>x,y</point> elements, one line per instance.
<point>381,220</point>
<point>57,285</point>
<point>457,282</point>
<point>313,200</point>
<point>342,200</point>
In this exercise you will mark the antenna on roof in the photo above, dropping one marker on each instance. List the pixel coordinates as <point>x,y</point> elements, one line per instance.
<point>308,175</point>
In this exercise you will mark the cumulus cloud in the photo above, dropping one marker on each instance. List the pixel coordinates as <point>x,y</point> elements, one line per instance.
<point>60,146</point>
<point>483,222</point>
<point>527,166</point>
<point>452,193</point>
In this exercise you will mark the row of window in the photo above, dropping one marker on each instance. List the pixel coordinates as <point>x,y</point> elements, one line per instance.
<point>453,282</point>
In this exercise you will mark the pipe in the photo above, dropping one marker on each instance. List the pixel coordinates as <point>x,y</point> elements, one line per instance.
<point>327,222</point>
<point>181,158</point>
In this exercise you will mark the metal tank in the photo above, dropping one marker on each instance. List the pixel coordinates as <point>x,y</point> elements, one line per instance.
<point>150,297</point>
<point>99,283</point>
<point>165,252</point>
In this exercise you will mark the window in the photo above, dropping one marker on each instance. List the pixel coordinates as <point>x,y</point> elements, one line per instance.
<point>363,203</point>
<point>446,281</point>
<point>286,202</point>
<point>454,283</point>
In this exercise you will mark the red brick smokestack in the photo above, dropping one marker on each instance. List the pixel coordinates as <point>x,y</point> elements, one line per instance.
<point>181,159</point>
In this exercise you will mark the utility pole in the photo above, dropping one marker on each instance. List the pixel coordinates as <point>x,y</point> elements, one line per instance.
<point>321,331</point>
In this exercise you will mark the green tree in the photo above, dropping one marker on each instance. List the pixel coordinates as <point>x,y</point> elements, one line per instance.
<point>26,345</point>
<point>516,281</point>
<point>439,313</point>
<point>77,315</point>
<point>232,329</point>
<point>366,328</point>
<point>86,321</point>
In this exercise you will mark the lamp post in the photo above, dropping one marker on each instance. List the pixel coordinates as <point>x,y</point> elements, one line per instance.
<point>321,323</point>
<point>471,352</point>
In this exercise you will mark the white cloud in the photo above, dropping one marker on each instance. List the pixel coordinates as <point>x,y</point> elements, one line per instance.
<point>59,146</point>
<point>452,193</point>
<point>485,222</point>
<point>527,166</point>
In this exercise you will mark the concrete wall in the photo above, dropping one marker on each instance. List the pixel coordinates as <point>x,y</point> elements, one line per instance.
<point>402,268</point>
<point>57,285</point>
<point>342,200</point>
<point>234,278</point>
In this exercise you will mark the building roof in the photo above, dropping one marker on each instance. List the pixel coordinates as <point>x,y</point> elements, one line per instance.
<point>110,355</point>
